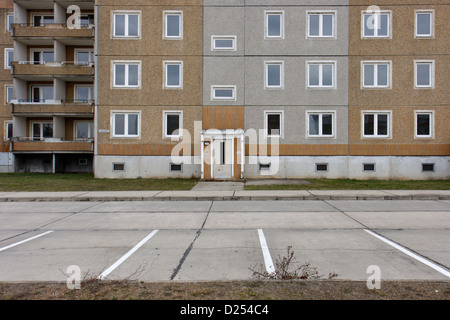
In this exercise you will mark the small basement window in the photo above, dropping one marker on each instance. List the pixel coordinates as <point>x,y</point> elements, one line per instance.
<point>176,167</point>
<point>321,166</point>
<point>118,166</point>
<point>427,167</point>
<point>368,166</point>
<point>264,166</point>
<point>82,162</point>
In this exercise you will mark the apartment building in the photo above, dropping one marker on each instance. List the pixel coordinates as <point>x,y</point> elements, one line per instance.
<point>227,89</point>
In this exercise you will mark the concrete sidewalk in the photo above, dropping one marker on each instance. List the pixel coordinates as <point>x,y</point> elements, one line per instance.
<point>227,195</point>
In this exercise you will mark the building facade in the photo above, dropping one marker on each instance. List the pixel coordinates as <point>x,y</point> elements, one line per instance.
<point>227,89</point>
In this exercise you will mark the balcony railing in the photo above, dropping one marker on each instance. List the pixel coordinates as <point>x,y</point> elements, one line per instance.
<point>64,68</point>
<point>56,30</point>
<point>30,144</point>
<point>52,107</point>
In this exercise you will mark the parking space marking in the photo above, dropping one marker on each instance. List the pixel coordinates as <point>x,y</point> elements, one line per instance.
<point>126,256</point>
<point>266,253</point>
<point>26,240</point>
<point>410,253</point>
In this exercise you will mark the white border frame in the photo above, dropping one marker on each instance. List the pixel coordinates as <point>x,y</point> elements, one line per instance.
<point>41,129</point>
<point>231,87</point>
<point>125,62</point>
<point>181,26</point>
<point>321,135</point>
<point>430,11</point>
<point>266,24</point>
<point>216,37</point>
<point>180,124</point>
<point>180,74</point>
<point>377,62</point>
<point>281,113</point>
<point>266,78</point>
<point>126,13</point>
<point>125,135</point>
<point>321,62</point>
<point>7,14</point>
<point>432,72</point>
<point>75,122</point>
<point>376,36</point>
<point>431,114</point>
<point>375,125</point>
<point>6,58</point>
<point>321,12</point>
<point>5,128</point>
<point>41,56</point>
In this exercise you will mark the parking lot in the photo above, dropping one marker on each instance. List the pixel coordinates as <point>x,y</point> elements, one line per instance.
<point>223,240</point>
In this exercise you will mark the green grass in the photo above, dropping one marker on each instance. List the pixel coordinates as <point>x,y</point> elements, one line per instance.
<point>86,182</point>
<point>348,184</point>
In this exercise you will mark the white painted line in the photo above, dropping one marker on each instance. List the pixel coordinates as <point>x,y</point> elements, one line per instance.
<point>266,253</point>
<point>411,254</point>
<point>23,241</point>
<point>126,256</point>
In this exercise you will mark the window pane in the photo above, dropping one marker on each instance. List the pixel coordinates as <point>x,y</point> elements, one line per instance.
<point>383,28</point>
<point>327,25</point>
<point>314,20</point>
<point>48,19</point>
<point>83,93</point>
<point>274,75</point>
<point>172,124</point>
<point>133,25</point>
<point>314,75</point>
<point>47,130</point>
<point>119,25</point>
<point>423,125</point>
<point>382,75</point>
<point>9,94</point>
<point>313,124</point>
<point>47,93</point>
<point>369,124</point>
<point>132,124</point>
<point>10,57</point>
<point>382,124</point>
<point>119,75</point>
<point>327,124</point>
<point>82,130</point>
<point>36,131</point>
<point>133,75</point>
<point>83,57</point>
<point>9,130</point>
<point>369,29</point>
<point>173,75</point>
<point>223,43</point>
<point>327,75</point>
<point>423,74</point>
<point>273,124</point>
<point>274,25</point>
<point>173,25</point>
<point>223,93</point>
<point>119,124</point>
<point>424,24</point>
<point>369,74</point>
<point>48,56</point>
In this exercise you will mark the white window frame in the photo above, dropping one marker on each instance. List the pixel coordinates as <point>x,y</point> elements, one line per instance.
<point>180,124</point>
<point>7,124</point>
<point>180,74</point>
<point>416,25</point>
<point>41,87</point>
<point>41,54</point>
<point>430,113</point>
<point>181,28</point>
<point>75,131</point>
<point>266,74</point>
<point>267,13</point>
<point>376,113</point>
<point>87,50</point>
<point>8,99</point>
<point>75,90</point>
<point>376,63</point>
<point>320,114</point>
<point>126,13</point>
<point>126,63</point>
<point>125,113</point>
<point>222,87</point>
<point>7,52</point>
<point>41,129</point>
<point>431,63</point>
<point>321,63</point>
<point>376,36</point>
<point>41,14</point>
<point>321,13</point>
<point>266,124</point>
<point>215,37</point>
<point>8,24</point>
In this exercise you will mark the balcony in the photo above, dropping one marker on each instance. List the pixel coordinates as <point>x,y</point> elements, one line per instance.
<point>25,107</point>
<point>27,34</point>
<point>26,144</point>
<point>64,70</point>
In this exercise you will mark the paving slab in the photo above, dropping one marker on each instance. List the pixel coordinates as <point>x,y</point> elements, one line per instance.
<point>272,195</point>
<point>218,186</point>
<point>195,195</point>
<point>151,206</point>
<point>420,194</point>
<point>349,194</point>
<point>388,205</point>
<point>116,195</point>
<point>44,207</point>
<point>271,206</point>
<point>41,196</point>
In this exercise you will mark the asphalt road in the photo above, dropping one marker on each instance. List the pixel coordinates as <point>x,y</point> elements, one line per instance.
<point>223,240</point>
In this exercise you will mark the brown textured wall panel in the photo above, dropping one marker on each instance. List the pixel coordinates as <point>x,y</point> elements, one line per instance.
<point>223,118</point>
<point>399,150</point>
<point>52,146</point>
<point>300,150</point>
<point>138,149</point>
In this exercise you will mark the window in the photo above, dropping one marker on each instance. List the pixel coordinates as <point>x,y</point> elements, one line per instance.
<point>376,124</point>
<point>320,124</point>
<point>321,166</point>
<point>84,130</point>
<point>173,124</point>
<point>174,167</point>
<point>321,74</point>
<point>9,21</point>
<point>369,167</point>
<point>427,167</point>
<point>118,166</point>
<point>8,130</point>
<point>376,25</point>
<point>264,166</point>
<point>173,25</point>
<point>41,130</point>
<point>9,92</point>
<point>223,93</point>
<point>274,25</point>
<point>126,124</point>
<point>82,162</point>
<point>321,24</point>
<point>274,123</point>
<point>84,56</point>
<point>424,124</point>
<point>274,74</point>
<point>84,93</point>
<point>223,43</point>
<point>173,74</point>
<point>40,20</point>
<point>42,94</point>
<point>424,74</point>
<point>424,24</point>
<point>42,56</point>
<point>126,24</point>
<point>376,74</point>
<point>126,74</point>
<point>9,57</point>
